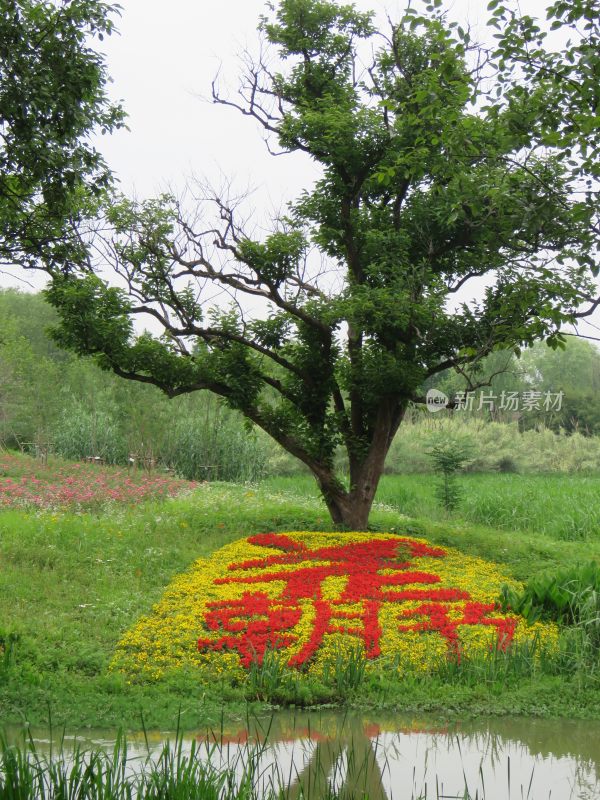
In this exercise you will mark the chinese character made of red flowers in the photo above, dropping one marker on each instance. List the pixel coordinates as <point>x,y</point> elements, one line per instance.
<point>375,571</point>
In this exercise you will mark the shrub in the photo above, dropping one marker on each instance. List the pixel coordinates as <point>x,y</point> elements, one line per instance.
<point>570,596</point>
<point>449,454</point>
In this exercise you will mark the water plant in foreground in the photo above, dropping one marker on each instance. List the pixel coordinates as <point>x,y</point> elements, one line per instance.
<point>26,774</point>
<point>338,759</point>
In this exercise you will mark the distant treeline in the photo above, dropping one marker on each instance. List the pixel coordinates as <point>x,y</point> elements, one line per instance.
<point>53,401</point>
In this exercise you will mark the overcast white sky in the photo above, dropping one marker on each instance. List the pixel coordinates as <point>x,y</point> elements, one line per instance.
<point>162,64</point>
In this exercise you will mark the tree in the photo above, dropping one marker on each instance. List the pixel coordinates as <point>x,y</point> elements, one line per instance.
<point>427,182</point>
<point>500,371</point>
<point>28,373</point>
<point>574,372</point>
<point>52,97</point>
<point>567,81</point>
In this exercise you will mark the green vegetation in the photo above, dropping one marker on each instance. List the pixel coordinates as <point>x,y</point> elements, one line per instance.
<point>496,446</point>
<point>25,774</point>
<point>560,507</point>
<point>52,100</point>
<point>569,595</point>
<point>95,414</point>
<point>429,178</point>
<point>72,582</point>
<point>574,371</point>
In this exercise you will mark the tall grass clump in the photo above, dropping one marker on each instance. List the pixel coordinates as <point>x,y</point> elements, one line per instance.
<point>82,431</point>
<point>77,774</point>
<point>199,439</point>
<point>215,445</point>
<point>501,666</point>
<point>270,680</point>
<point>346,673</point>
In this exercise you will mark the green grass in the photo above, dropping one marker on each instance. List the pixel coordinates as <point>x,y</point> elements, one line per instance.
<point>564,507</point>
<point>72,583</point>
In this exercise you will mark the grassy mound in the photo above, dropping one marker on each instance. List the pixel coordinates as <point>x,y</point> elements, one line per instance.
<point>398,602</point>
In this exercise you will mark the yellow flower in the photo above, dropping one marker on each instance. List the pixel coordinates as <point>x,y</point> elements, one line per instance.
<point>315,597</point>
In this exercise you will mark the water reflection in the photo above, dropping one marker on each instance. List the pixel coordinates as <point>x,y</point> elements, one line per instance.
<point>395,757</point>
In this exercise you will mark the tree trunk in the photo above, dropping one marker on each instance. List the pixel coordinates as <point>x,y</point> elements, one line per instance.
<point>348,508</point>
<point>352,508</point>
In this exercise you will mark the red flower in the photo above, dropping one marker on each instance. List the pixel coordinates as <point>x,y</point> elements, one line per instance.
<point>373,569</point>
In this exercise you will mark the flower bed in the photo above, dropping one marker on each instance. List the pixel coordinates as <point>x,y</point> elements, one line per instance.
<point>310,597</point>
<point>24,484</point>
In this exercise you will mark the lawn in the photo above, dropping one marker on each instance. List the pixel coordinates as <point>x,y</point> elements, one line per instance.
<point>74,579</point>
<point>565,507</point>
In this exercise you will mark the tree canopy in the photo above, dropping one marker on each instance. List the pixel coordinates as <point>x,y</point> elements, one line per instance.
<point>52,97</point>
<point>566,80</point>
<point>437,170</point>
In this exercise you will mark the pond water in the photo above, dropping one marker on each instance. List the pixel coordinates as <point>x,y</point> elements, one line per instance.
<point>387,756</point>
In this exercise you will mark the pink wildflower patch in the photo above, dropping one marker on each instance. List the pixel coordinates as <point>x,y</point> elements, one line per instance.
<point>26,484</point>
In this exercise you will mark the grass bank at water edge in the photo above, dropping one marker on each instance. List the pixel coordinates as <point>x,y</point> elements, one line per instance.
<point>71,582</point>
